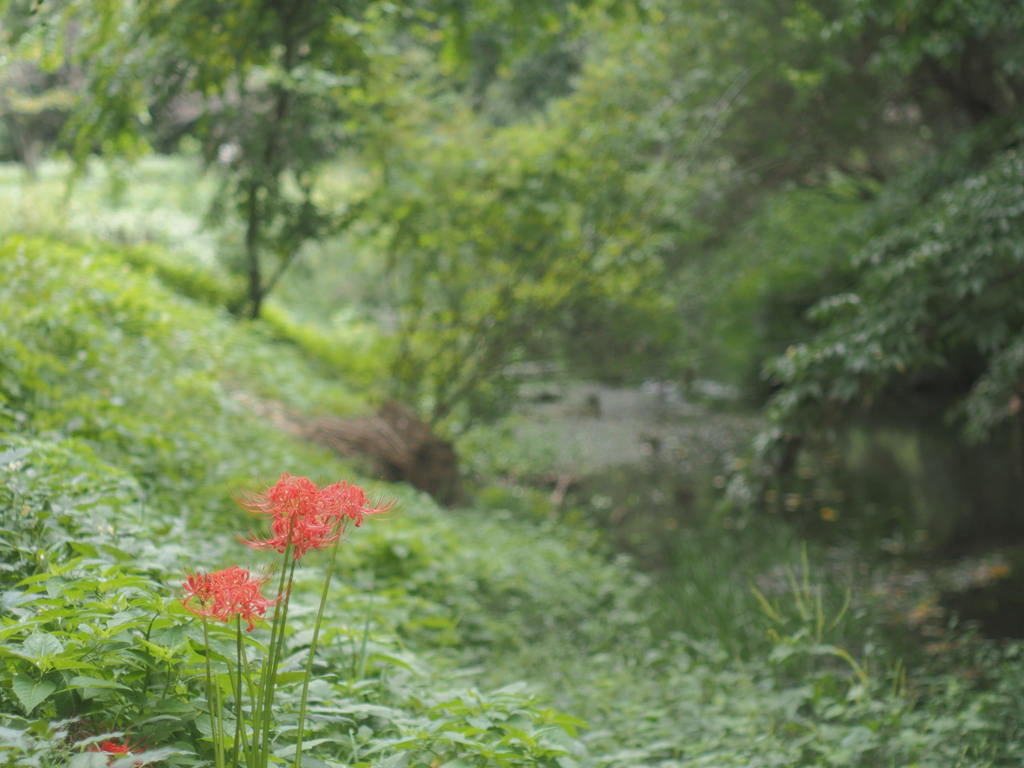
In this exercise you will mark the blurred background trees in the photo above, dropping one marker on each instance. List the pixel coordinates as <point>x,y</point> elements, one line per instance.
<point>815,201</point>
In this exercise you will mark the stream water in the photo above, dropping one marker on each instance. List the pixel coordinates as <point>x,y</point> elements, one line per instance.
<point>648,462</point>
<point>642,461</point>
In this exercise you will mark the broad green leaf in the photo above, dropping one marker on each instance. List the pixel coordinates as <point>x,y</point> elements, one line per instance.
<point>89,760</point>
<point>120,582</point>
<point>35,579</point>
<point>456,738</point>
<point>64,662</point>
<point>83,548</point>
<point>84,681</point>
<point>57,587</point>
<point>41,645</point>
<point>12,738</point>
<point>8,457</point>
<point>171,637</point>
<point>31,693</point>
<point>401,760</point>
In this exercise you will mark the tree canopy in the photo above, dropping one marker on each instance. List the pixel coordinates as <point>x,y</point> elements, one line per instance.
<point>273,89</point>
<point>651,189</point>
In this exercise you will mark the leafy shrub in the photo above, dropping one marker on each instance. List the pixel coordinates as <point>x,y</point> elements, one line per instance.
<point>936,308</point>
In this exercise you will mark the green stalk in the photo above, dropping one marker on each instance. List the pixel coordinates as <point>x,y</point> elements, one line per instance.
<point>361,671</point>
<point>264,699</point>
<point>312,653</point>
<point>274,660</point>
<point>236,686</point>
<point>249,750</point>
<point>212,703</point>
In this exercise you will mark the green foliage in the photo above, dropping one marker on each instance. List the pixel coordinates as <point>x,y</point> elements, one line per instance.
<point>577,588</point>
<point>189,280</point>
<point>783,258</point>
<point>811,700</point>
<point>438,613</point>
<point>83,639</point>
<point>912,372</point>
<point>965,53</point>
<point>155,204</point>
<point>84,541</point>
<point>503,248</point>
<point>349,348</point>
<point>279,91</point>
<point>90,638</point>
<point>105,356</point>
<point>294,66</point>
<point>697,161</point>
<point>935,308</point>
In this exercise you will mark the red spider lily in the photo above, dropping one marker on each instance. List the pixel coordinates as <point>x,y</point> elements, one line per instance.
<point>222,595</point>
<point>113,748</point>
<point>306,516</point>
<point>199,586</point>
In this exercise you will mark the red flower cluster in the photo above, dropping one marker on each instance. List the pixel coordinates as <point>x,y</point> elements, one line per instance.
<point>113,748</point>
<point>222,595</point>
<point>308,517</point>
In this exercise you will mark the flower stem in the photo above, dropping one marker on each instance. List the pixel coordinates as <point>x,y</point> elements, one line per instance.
<point>236,687</point>
<point>312,653</point>
<point>213,704</point>
<point>274,654</point>
<point>249,750</point>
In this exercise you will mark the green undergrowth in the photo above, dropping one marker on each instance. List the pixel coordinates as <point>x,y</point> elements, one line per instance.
<point>478,637</point>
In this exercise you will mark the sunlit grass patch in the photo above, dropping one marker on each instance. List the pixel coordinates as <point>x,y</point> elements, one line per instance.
<point>161,199</point>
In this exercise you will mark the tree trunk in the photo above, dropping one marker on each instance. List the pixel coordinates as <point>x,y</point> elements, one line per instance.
<point>252,252</point>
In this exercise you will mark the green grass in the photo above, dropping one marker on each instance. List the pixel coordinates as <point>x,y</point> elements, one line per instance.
<point>160,200</point>
<point>475,637</point>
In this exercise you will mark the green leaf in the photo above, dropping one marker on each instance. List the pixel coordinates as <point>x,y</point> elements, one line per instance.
<point>42,645</point>
<point>31,693</point>
<point>65,662</point>
<point>482,722</point>
<point>84,548</point>
<point>84,681</point>
<point>8,457</point>
<point>396,761</point>
<point>35,579</point>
